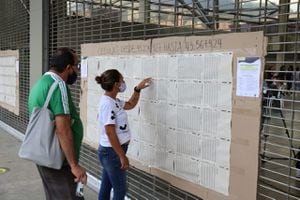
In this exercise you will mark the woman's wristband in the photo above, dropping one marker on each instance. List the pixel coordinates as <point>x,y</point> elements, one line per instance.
<point>137,90</point>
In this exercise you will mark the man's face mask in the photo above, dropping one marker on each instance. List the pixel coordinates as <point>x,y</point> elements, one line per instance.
<point>72,78</point>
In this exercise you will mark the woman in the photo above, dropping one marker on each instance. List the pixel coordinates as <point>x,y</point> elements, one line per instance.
<point>114,132</point>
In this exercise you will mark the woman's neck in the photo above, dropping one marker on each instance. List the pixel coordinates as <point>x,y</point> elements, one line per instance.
<point>111,94</point>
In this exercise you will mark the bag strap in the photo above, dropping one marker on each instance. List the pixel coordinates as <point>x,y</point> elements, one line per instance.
<point>51,90</point>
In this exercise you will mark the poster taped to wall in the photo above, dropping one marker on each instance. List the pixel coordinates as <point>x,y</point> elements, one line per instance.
<point>248,76</point>
<point>182,123</point>
<point>9,80</point>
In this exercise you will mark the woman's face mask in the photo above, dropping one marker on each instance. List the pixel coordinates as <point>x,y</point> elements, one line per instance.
<point>122,87</point>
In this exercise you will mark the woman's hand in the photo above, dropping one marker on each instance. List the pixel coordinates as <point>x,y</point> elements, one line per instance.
<point>131,103</point>
<point>144,83</point>
<point>124,162</point>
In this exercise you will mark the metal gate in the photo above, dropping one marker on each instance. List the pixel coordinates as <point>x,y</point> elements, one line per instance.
<point>74,22</point>
<point>14,35</point>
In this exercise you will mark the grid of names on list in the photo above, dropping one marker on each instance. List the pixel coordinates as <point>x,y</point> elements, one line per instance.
<point>182,122</point>
<point>8,80</point>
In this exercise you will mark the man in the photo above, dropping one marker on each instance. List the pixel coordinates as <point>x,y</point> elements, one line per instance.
<point>61,184</point>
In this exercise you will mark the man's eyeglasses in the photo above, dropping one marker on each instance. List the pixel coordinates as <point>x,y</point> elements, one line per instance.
<point>78,65</point>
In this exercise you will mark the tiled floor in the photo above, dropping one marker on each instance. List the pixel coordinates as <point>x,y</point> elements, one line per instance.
<point>22,180</point>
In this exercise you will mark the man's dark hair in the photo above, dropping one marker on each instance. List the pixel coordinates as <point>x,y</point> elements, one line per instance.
<point>62,58</point>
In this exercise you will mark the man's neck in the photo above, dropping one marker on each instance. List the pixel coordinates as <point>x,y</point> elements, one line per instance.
<point>61,75</point>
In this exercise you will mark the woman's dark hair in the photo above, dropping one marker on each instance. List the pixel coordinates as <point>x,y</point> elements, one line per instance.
<point>108,79</point>
<point>62,58</point>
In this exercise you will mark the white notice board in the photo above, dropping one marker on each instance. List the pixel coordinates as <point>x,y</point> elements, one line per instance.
<point>182,124</point>
<point>9,80</point>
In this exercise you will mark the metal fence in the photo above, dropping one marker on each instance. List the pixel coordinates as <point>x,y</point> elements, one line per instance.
<point>14,35</point>
<point>73,22</point>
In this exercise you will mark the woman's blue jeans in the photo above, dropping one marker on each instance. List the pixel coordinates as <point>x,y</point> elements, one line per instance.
<point>113,176</point>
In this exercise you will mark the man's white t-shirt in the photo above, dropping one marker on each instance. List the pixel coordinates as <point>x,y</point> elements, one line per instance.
<point>111,112</point>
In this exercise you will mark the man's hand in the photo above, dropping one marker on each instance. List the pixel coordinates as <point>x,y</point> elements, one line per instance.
<point>79,173</point>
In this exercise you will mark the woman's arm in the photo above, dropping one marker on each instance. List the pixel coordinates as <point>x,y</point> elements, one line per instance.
<point>131,103</point>
<point>114,141</point>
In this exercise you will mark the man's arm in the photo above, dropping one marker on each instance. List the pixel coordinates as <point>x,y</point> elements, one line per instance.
<point>65,136</point>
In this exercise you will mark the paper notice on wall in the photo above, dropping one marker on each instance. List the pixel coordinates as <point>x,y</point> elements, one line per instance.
<point>9,68</point>
<point>248,76</point>
<point>182,124</point>
<point>17,66</point>
<point>84,67</point>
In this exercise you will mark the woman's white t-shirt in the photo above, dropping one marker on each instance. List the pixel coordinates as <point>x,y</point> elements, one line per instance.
<point>111,112</point>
